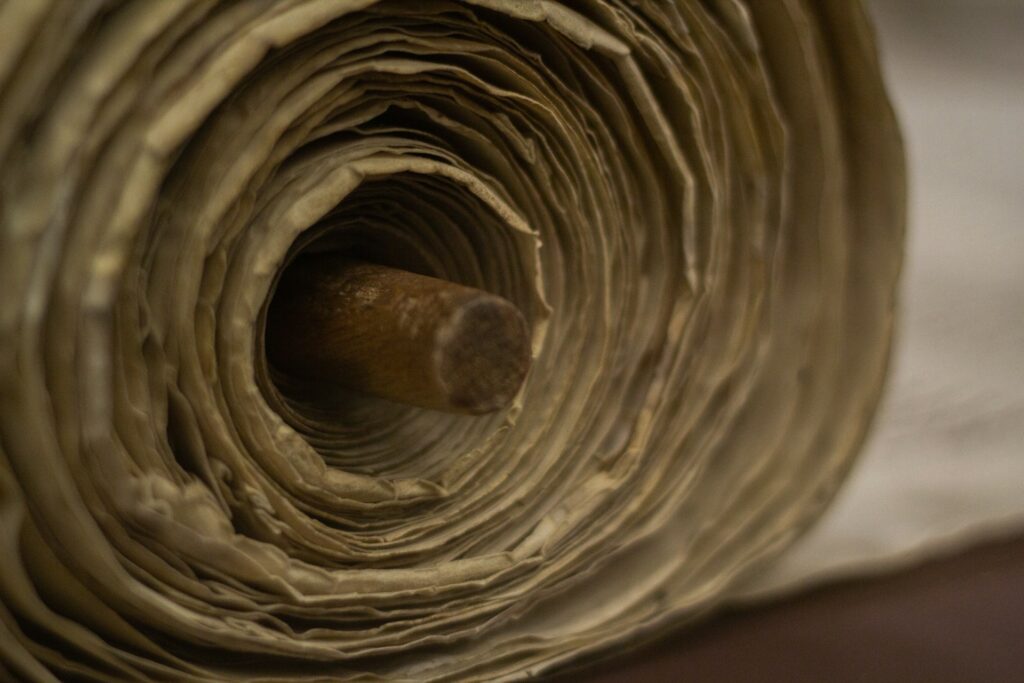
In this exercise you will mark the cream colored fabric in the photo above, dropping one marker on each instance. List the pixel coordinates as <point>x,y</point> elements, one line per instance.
<point>698,205</point>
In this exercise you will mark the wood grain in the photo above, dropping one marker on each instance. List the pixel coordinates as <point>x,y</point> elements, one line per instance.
<point>397,335</point>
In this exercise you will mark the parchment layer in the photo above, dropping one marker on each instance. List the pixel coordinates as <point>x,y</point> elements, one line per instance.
<point>698,206</point>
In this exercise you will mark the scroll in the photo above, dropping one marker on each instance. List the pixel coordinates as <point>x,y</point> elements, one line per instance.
<point>696,207</point>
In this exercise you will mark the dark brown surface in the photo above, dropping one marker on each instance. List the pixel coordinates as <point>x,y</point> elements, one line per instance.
<point>957,619</point>
<point>397,335</point>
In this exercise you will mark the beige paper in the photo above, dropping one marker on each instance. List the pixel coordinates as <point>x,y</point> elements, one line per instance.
<point>698,206</point>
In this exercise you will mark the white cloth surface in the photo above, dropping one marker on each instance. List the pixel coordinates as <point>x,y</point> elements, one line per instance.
<point>944,467</point>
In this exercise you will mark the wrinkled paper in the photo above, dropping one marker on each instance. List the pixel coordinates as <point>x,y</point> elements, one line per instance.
<point>698,205</point>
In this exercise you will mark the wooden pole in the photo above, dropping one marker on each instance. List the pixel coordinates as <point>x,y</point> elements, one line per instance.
<point>397,335</point>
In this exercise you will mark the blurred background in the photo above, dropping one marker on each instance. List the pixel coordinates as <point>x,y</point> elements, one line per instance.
<point>917,571</point>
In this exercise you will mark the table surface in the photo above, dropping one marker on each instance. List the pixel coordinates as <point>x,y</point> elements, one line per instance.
<point>957,619</point>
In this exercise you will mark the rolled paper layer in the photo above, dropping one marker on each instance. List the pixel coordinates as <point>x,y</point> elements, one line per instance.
<point>697,206</point>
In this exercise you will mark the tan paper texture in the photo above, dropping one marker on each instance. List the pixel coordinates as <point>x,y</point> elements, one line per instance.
<point>698,206</point>
<point>943,469</point>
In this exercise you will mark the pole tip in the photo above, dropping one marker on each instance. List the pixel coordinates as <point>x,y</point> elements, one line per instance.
<point>483,354</point>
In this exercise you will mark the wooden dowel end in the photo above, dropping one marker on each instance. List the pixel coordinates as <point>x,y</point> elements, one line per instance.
<point>397,335</point>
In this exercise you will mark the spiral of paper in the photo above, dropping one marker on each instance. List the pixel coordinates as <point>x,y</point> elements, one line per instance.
<point>697,204</point>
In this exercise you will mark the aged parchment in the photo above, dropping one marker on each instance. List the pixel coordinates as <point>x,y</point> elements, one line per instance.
<point>699,206</point>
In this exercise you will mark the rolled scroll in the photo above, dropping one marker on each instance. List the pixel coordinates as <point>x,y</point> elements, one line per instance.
<point>696,205</point>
